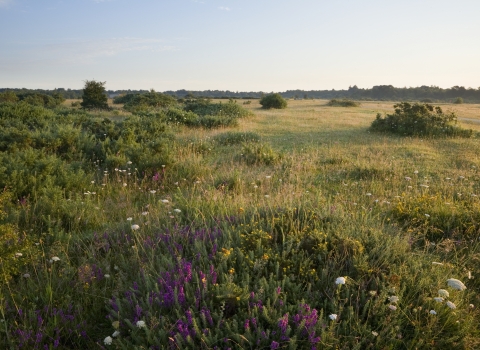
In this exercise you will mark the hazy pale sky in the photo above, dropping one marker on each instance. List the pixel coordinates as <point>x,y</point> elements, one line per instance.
<point>239,45</point>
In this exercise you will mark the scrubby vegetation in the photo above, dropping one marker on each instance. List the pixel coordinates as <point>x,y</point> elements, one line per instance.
<point>342,103</point>
<point>141,232</point>
<point>273,101</point>
<point>419,120</point>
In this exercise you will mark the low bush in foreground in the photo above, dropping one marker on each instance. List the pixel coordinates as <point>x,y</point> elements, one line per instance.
<point>342,103</point>
<point>419,120</point>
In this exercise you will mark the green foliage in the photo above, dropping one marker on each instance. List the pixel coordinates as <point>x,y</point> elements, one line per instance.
<point>8,96</point>
<point>342,103</point>
<point>273,101</point>
<point>150,99</point>
<point>204,107</point>
<point>259,153</point>
<point>235,138</point>
<point>419,120</point>
<point>458,101</point>
<point>94,95</point>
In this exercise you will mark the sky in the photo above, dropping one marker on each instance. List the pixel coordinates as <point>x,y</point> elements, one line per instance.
<point>239,45</point>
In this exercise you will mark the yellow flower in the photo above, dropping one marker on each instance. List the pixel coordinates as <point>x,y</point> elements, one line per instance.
<point>231,271</point>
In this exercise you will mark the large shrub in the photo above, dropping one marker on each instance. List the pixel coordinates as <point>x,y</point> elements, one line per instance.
<point>151,99</point>
<point>342,103</point>
<point>273,101</point>
<point>419,120</point>
<point>94,95</point>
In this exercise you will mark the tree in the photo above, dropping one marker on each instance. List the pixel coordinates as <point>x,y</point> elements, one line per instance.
<point>273,101</point>
<point>94,95</point>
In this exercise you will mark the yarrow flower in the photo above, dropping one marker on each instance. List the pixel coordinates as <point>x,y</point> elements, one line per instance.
<point>135,227</point>
<point>375,333</point>
<point>393,299</point>
<point>443,293</point>
<point>164,200</point>
<point>55,258</point>
<point>392,307</point>
<point>333,317</point>
<point>141,324</point>
<point>340,280</point>
<point>456,284</point>
<point>177,210</point>
<point>439,299</point>
<point>116,334</point>
<point>451,305</point>
<point>108,340</point>
<point>433,312</point>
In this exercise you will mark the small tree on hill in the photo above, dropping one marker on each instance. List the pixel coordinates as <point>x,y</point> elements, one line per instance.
<point>94,95</point>
<point>273,101</point>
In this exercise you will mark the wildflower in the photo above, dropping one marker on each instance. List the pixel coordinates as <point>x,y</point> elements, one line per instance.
<point>267,177</point>
<point>427,215</point>
<point>129,219</point>
<point>106,275</point>
<point>408,178</point>
<point>116,334</point>
<point>145,213</point>
<point>451,305</point>
<point>274,345</point>
<point>55,258</point>
<point>141,324</point>
<point>26,275</point>
<point>129,162</point>
<point>425,186</point>
<point>433,312</point>
<point>439,299</point>
<point>368,194</point>
<point>108,340</point>
<point>392,307</point>
<point>443,293</point>
<point>17,255</point>
<point>456,284</point>
<point>393,299</point>
<point>436,263</point>
<point>164,201</point>
<point>471,306</point>
<point>124,184</point>
<point>415,172</point>
<point>375,333</point>
<point>115,324</point>
<point>177,210</point>
<point>153,191</point>
<point>135,227</point>
<point>340,280</point>
<point>333,317</point>
<point>267,196</point>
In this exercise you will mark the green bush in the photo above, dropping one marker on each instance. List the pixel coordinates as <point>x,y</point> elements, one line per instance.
<point>150,99</point>
<point>419,120</point>
<point>259,153</point>
<point>458,101</point>
<point>94,95</point>
<point>273,101</point>
<point>204,107</point>
<point>342,103</point>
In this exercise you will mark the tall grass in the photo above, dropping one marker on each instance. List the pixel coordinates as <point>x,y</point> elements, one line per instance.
<point>220,239</point>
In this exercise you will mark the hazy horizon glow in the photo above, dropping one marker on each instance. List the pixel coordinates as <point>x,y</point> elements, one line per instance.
<point>269,45</point>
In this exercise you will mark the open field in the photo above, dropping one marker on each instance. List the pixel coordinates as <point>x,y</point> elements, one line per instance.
<point>314,234</point>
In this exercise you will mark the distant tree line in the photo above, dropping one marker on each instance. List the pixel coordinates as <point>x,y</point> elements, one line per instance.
<point>381,92</point>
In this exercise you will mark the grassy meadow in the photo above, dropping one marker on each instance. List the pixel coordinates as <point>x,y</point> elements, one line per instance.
<point>295,229</point>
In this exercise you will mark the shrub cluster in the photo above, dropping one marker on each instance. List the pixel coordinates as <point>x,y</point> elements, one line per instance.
<point>33,98</point>
<point>273,101</point>
<point>342,103</point>
<point>419,120</point>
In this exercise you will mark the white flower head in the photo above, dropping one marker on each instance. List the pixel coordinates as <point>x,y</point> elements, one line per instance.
<point>55,258</point>
<point>439,299</point>
<point>456,284</point>
<point>145,213</point>
<point>129,219</point>
<point>433,312</point>
<point>392,307</point>
<point>135,227</point>
<point>436,263</point>
<point>177,210</point>
<point>153,191</point>
<point>393,299</point>
<point>451,305</point>
<point>108,340</point>
<point>341,280</point>
<point>26,275</point>
<point>443,293</point>
<point>116,334</point>
<point>333,317</point>
<point>164,201</point>
<point>141,324</point>
<point>18,255</point>
<point>375,334</point>
<point>106,275</point>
